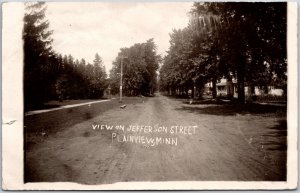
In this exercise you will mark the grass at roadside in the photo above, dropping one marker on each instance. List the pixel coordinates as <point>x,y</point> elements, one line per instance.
<point>228,109</point>
<point>231,107</point>
<point>72,102</point>
<point>38,126</point>
<point>55,104</point>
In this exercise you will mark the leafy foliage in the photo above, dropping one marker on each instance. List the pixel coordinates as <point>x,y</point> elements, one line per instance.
<point>140,65</point>
<point>226,39</point>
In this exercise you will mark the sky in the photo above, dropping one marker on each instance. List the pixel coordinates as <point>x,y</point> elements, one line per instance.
<point>84,29</point>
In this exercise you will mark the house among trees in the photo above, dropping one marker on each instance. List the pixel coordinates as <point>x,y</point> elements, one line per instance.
<point>226,88</point>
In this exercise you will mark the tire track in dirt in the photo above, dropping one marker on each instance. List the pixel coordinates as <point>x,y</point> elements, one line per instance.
<point>214,152</point>
<point>137,150</point>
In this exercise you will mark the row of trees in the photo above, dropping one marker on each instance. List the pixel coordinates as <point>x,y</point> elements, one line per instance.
<point>140,65</point>
<point>79,80</point>
<point>49,75</point>
<point>245,41</point>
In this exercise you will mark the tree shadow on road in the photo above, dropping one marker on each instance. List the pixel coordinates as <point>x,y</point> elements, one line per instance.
<point>276,137</point>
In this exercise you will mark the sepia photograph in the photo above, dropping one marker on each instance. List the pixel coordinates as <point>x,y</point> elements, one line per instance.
<point>155,92</point>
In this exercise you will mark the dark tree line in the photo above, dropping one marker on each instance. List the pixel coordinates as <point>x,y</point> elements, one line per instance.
<point>244,41</point>
<point>140,65</point>
<point>49,75</point>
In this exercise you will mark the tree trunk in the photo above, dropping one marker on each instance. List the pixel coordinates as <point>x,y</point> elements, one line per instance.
<point>174,91</point>
<point>186,91</point>
<point>214,87</point>
<point>241,79</point>
<point>193,90</point>
<point>266,89</point>
<point>252,89</point>
<point>200,92</point>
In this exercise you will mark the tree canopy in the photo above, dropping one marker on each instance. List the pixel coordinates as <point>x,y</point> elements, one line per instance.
<point>226,39</point>
<point>140,65</point>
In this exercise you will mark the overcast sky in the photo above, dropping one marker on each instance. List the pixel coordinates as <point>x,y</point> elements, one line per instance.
<point>82,29</point>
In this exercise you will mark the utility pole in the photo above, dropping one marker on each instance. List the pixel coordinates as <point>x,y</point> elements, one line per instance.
<point>121,79</point>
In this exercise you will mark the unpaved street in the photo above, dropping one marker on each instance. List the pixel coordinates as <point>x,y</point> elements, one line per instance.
<point>224,146</point>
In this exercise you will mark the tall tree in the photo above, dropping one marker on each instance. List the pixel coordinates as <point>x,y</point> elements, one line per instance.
<point>139,69</point>
<point>99,81</point>
<point>37,50</point>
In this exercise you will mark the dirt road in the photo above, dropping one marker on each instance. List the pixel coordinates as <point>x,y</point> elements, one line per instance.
<point>231,146</point>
